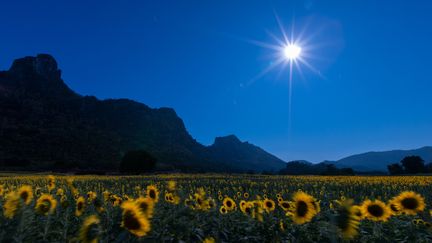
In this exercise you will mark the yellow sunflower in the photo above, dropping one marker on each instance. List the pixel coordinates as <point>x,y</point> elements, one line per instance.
<point>229,204</point>
<point>26,194</point>
<point>90,230</point>
<point>358,211</point>
<point>146,206</point>
<point>347,221</point>
<point>242,205</point>
<point>246,195</point>
<point>285,205</point>
<point>410,202</point>
<point>282,225</point>
<point>2,190</point>
<point>46,204</point>
<point>153,193</point>
<point>303,209</point>
<point>375,210</point>
<point>134,220</point>
<point>223,210</point>
<point>209,240</point>
<point>268,205</point>
<point>394,208</point>
<point>51,183</point>
<point>11,205</point>
<point>80,206</point>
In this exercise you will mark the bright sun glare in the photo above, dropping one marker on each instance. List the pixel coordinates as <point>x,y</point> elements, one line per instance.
<point>292,51</point>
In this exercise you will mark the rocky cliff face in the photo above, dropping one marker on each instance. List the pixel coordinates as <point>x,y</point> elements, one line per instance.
<point>45,125</point>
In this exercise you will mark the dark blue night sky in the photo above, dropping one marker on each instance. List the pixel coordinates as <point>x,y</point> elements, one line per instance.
<point>371,87</point>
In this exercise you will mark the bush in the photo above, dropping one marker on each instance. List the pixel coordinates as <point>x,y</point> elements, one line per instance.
<point>137,161</point>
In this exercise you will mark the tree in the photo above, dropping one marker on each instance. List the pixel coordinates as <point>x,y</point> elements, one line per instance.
<point>413,164</point>
<point>137,161</point>
<point>395,169</point>
<point>429,168</point>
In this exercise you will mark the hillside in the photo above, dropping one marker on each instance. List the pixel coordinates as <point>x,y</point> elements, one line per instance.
<point>378,161</point>
<point>46,125</point>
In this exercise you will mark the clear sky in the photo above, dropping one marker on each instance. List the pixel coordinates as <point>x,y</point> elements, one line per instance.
<point>371,88</point>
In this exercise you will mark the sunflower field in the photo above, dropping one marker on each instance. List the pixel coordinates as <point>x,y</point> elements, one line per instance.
<point>215,208</point>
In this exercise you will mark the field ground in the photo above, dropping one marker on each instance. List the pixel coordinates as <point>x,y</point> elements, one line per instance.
<point>215,208</point>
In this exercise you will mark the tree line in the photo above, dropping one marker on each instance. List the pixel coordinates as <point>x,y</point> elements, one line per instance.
<point>410,165</point>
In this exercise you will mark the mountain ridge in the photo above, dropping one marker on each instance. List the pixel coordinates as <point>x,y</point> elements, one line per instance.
<point>47,125</point>
<point>378,160</point>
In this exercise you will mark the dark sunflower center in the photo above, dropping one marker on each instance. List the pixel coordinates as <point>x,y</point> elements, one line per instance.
<point>229,204</point>
<point>143,206</point>
<point>44,206</point>
<point>269,204</point>
<point>152,194</point>
<point>393,208</point>
<point>410,203</point>
<point>248,210</point>
<point>80,206</point>
<point>375,210</point>
<point>302,208</point>
<point>285,205</point>
<point>130,221</point>
<point>24,195</point>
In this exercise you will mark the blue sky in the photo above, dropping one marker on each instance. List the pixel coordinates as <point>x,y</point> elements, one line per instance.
<point>372,92</point>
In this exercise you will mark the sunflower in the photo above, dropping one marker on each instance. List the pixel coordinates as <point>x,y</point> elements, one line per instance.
<point>347,220</point>
<point>394,208</point>
<point>303,209</point>
<point>153,193</point>
<point>410,202</point>
<point>229,204</point>
<point>282,225</point>
<point>242,205</point>
<point>2,190</point>
<point>358,211</point>
<point>90,230</point>
<point>26,194</point>
<point>285,205</point>
<point>80,206</point>
<point>146,206</point>
<point>106,195</point>
<point>46,204</point>
<point>11,205</point>
<point>172,198</point>
<point>91,196</point>
<point>209,240</point>
<point>134,220</point>
<point>64,202</point>
<point>60,192</point>
<point>51,183</point>
<point>269,205</point>
<point>246,195</point>
<point>375,210</point>
<point>171,185</point>
<point>249,209</point>
<point>223,210</point>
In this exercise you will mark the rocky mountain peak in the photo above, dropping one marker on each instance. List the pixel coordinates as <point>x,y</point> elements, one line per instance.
<point>43,65</point>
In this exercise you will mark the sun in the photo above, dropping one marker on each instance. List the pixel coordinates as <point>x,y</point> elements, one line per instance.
<point>292,51</point>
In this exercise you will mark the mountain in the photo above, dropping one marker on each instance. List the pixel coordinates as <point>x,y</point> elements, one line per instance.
<point>45,125</point>
<point>243,154</point>
<point>378,161</point>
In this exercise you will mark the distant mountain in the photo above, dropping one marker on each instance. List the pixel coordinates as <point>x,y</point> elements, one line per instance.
<point>378,161</point>
<point>46,125</point>
<point>243,154</point>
